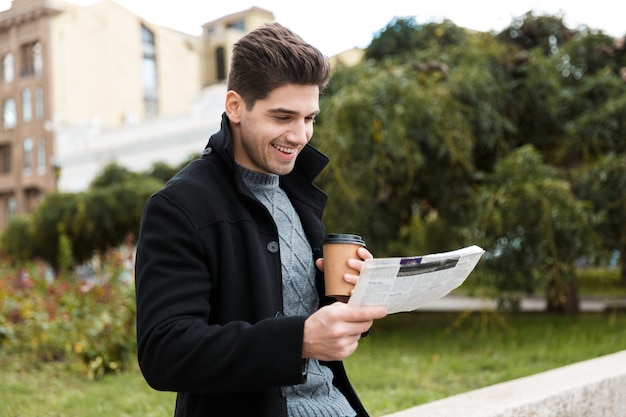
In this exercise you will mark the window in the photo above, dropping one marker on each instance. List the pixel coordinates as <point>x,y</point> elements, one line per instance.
<point>239,25</point>
<point>32,59</point>
<point>37,59</point>
<point>11,207</point>
<point>220,60</point>
<point>151,106</point>
<point>27,112</point>
<point>8,68</point>
<point>147,37</point>
<point>28,156</point>
<point>39,106</point>
<point>9,114</point>
<point>41,156</point>
<point>5,159</point>
<point>149,74</point>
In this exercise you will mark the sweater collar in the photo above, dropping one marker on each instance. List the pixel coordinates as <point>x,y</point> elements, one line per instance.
<point>260,180</point>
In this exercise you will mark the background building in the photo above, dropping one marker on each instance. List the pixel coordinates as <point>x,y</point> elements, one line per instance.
<point>220,35</point>
<point>83,86</point>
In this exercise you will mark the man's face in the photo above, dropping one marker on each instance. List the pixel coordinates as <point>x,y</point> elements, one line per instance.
<point>269,137</point>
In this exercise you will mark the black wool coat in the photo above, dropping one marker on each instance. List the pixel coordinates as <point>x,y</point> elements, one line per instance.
<point>209,290</point>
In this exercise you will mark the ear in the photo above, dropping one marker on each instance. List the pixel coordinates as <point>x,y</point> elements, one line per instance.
<point>234,106</point>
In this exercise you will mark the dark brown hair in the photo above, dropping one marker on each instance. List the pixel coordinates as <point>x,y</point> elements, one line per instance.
<point>271,56</point>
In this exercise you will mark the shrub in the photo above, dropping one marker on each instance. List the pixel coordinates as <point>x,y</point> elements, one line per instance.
<point>84,317</point>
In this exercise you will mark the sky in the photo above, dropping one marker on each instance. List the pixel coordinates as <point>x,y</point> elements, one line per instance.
<point>334,26</point>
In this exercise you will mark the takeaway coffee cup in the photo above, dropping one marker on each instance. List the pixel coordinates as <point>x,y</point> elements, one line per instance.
<point>337,249</point>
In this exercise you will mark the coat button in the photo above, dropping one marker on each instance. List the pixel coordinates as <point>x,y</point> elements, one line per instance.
<point>272,247</point>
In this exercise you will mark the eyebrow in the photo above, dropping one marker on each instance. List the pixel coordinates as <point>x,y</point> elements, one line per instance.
<point>292,112</point>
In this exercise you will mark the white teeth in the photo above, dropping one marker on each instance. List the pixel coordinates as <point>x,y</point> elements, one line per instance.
<point>285,150</point>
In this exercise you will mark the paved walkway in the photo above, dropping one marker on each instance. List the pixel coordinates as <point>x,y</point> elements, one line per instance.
<point>461,303</point>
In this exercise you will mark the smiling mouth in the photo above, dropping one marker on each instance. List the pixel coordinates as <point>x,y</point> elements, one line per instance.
<point>285,150</point>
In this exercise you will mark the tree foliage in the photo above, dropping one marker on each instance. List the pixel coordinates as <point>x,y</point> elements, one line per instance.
<point>16,240</point>
<point>68,229</point>
<point>440,128</point>
<point>50,222</point>
<point>389,125</point>
<point>604,185</point>
<point>533,226</point>
<point>537,32</point>
<point>112,174</point>
<point>405,35</point>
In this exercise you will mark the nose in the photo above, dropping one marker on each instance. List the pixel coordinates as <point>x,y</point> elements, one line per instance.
<point>300,132</point>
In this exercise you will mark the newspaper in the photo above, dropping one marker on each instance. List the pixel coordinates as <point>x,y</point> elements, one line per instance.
<point>405,284</point>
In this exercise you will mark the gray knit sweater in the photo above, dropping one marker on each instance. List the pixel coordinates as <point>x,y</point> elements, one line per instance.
<point>317,397</point>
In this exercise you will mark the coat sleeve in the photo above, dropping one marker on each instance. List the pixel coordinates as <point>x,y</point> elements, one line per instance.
<point>177,346</point>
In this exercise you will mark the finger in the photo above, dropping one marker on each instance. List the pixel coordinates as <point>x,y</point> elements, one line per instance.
<point>355,263</point>
<point>362,313</point>
<point>350,278</point>
<point>364,253</point>
<point>319,263</point>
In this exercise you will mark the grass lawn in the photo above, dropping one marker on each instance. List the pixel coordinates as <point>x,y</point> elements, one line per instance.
<point>408,359</point>
<point>411,359</point>
<point>55,390</point>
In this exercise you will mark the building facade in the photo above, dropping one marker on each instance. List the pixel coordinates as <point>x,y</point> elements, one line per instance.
<point>26,137</point>
<point>77,81</point>
<point>219,36</point>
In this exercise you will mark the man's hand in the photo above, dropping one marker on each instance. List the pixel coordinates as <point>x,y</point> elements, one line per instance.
<point>333,332</point>
<point>352,263</point>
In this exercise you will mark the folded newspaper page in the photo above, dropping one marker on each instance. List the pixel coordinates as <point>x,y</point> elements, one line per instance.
<point>405,284</point>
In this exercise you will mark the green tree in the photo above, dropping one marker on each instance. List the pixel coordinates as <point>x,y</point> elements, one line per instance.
<point>113,173</point>
<point>70,228</point>
<point>408,137</point>
<point>541,103</point>
<point>542,32</point>
<point>588,52</point>
<point>399,140</point>
<point>600,128</point>
<point>534,228</point>
<point>16,240</point>
<point>486,94</point>
<point>405,35</point>
<point>604,186</point>
<point>51,219</point>
<point>106,216</point>
<point>568,88</point>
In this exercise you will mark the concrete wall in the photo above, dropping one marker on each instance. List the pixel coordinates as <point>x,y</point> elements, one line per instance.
<point>593,388</point>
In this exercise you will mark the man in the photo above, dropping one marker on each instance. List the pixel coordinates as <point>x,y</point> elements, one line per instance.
<point>228,269</point>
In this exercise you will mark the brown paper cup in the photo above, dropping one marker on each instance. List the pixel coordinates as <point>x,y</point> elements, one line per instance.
<point>338,248</point>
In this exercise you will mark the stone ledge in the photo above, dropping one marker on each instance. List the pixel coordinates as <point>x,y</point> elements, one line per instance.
<point>593,388</point>
<point>615,306</point>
